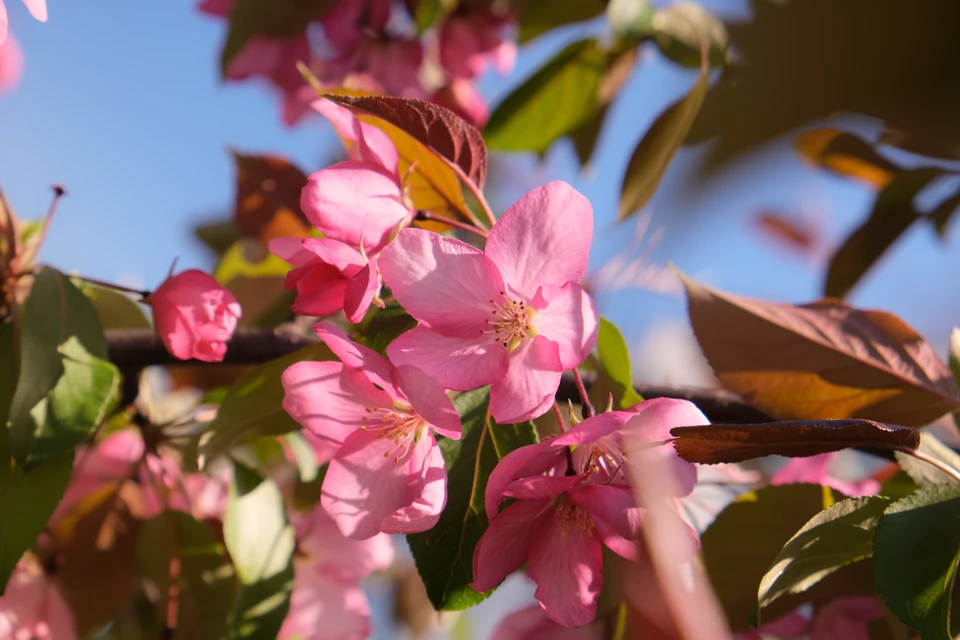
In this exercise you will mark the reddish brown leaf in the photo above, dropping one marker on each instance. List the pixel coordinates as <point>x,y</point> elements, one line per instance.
<point>437,127</point>
<point>787,230</point>
<point>822,360</point>
<point>268,198</point>
<point>847,155</point>
<point>714,443</point>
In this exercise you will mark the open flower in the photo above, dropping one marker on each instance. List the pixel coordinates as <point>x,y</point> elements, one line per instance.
<point>470,42</point>
<point>31,607</point>
<point>513,316</point>
<point>388,473</point>
<point>571,502</point>
<point>195,316</point>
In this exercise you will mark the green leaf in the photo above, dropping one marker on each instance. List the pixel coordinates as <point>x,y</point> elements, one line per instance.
<point>677,29</point>
<point>831,540</point>
<point>255,277</point>
<point>385,325</point>
<point>615,360</point>
<point>66,384</point>
<point>206,580</point>
<point>630,18</point>
<point>427,13</point>
<point>923,473</point>
<point>656,149</point>
<point>261,542</point>
<point>915,558</point>
<point>538,17</point>
<point>252,406</point>
<point>554,101</point>
<point>741,543</point>
<point>303,454</point>
<point>115,310</point>
<point>444,555</point>
<point>898,486</point>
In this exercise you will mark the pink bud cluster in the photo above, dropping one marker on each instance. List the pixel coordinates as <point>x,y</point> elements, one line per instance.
<point>373,46</point>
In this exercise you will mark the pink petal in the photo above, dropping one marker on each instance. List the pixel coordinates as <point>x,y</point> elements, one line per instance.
<point>11,59</point>
<point>339,557</point>
<point>792,625</point>
<point>569,318</point>
<point>370,479</point>
<point>444,283</point>
<point>456,363</point>
<point>356,356</point>
<point>615,514</point>
<point>338,255</point>
<point>37,8</point>
<point>528,389</point>
<point>592,429</point>
<point>353,201</point>
<point>373,145</point>
<point>525,462</point>
<point>847,618</point>
<point>566,567</point>
<point>329,399</point>
<point>651,425</point>
<point>429,400</point>
<point>32,607</point>
<point>319,299</point>
<point>360,292</point>
<point>260,56</point>
<point>812,469</point>
<point>4,26</point>
<point>505,545</point>
<point>425,511</point>
<point>533,624</point>
<point>541,486</point>
<point>291,250</point>
<point>544,238</point>
<point>324,609</point>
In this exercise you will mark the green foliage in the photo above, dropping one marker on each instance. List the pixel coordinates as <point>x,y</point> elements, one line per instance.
<point>255,277</point>
<point>206,582</point>
<point>261,542</point>
<point>66,384</point>
<point>678,29</point>
<point>444,555</point>
<point>832,539</point>
<point>252,406</point>
<point>385,326</point>
<point>616,374</point>
<point>630,18</point>
<point>115,310</point>
<point>538,17</point>
<point>922,472</point>
<point>304,455</point>
<point>915,558</point>
<point>553,102</point>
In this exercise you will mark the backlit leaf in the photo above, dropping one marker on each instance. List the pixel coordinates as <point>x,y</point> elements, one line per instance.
<point>536,17</point>
<point>820,360</point>
<point>847,155</point>
<point>678,27</point>
<point>614,356</point>
<point>923,473</point>
<point>115,310</point>
<point>268,198</point>
<point>255,278</point>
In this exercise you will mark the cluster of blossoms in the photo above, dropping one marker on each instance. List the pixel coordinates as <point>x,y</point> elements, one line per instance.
<point>373,46</point>
<point>11,57</point>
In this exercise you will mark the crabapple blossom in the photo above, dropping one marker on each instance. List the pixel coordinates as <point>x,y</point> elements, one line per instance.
<point>815,469</point>
<point>570,503</point>
<point>11,64</point>
<point>194,315</point>
<point>462,97</point>
<point>470,42</point>
<point>388,473</point>
<point>37,8</point>
<point>31,608</point>
<point>844,618</point>
<point>513,315</point>
<point>533,624</point>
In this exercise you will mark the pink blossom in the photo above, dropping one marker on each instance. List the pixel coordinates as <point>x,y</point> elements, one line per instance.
<point>533,624</point>
<point>195,316</point>
<point>471,42</point>
<point>32,608</point>
<point>37,8</point>
<point>513,316</point>
<point>324,609</point>
<point>462,97</point>
<point>844,618</point>
<point>345,24</point>
<point>337,556</point>
<point>388,473</point>
<point>384,64</point>
<point>815,470</point>
<point>570,503</point>
<point>11,64</point>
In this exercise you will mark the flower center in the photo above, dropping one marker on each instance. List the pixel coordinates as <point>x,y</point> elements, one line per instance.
<point>602,459</point>
<point>399,424</point>
<point>573,519</point>
<point>511,322</point>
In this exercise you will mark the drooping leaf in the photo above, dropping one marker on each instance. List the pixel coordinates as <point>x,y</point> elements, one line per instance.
<point>614,357</point>
<point>923,473</point>
<point>678,28</point>
<point>831,540</point>
<point>205,578</point>
<point>742,542</point>
<point>650,159</point>
<point>916,551</point>
<point>255,277</point>
<point>261,542</point>
<point>942,214</point>
<point>536,17</point>
<point>66,383</point>
<point>847,155</point>
<point>737,442</point>
<point>892,214</point>
<point>268,198</point>
<point>115,310</point>
<point>252,406</point>
<point>555,101</point>
<point>434,126</point>
<point>820,360</point>
<point>444,555</point>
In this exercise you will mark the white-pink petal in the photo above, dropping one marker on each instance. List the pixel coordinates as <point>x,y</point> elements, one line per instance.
<point>528,389</point>
<point>615,514</point>
<point>429,400</point>
<point>372,144</point>
<point>505,545</point>
<point>322,608</point>
<point>457,363</point>
<point>566,315</point>
<point>356,356</point>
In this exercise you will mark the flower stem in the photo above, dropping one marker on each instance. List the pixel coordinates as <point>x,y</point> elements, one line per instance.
<point>474,189</point>
<point>116,287</point>
<point>586,408</point>
<point>939,464</point>
<point>427,215</point>
<point>559,415</point>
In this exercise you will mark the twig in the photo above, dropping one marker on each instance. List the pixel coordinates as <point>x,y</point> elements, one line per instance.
<point>144,294</point>
<point>939,464</point>
<point>427,215</point>
<point>587,409</point>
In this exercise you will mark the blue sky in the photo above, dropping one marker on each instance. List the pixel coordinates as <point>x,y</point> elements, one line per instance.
<point>122,104</point>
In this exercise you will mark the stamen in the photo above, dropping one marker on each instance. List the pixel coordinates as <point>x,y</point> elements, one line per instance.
<point>512,323</point>
<point>571,517</point>
<point>401,425</point>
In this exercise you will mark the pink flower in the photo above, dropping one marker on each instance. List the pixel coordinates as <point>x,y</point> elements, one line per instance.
<point>570,503</point>
<point>345,24</point>
<point>384,64</point>
<point>37,8</point>
<point>513,316</point>
<point>195,316</point>
<point>470,43</point>
<point>388,473</point>
<point>11,64</point>
<point>462,97</point>
<point>533,624</point>
<point>32,608</point>
<point>340,558</point>
<point>815,470</point>
<point>844,618</point>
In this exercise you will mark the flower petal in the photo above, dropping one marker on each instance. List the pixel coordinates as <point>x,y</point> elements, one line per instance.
<point>457,363</point>
<point>373,145</point>
<point>444,283</point>
<point>651,424</point>
<point>569,318</point>
<point>594,428</point>
<point>339,557</point>
<point>566,567</point>
<point>541,486</point>
<point>369,480</point>
<point>615,514</point>
<point>528,389</point>
<point>4,23</point>
<point>425,511</point>
<point>525,462</point>
<point>339,255</point>
<point>37,8</point>
<point>544,238</point>
<point>505,545</point>
<point>356,356</point>
<point>429,400</point>
<point>353,201</point>
<point>329,399</point>
<point>360,292</point>
<point>324,609</point>
<point>318,295</point>
<point>290,250</point>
